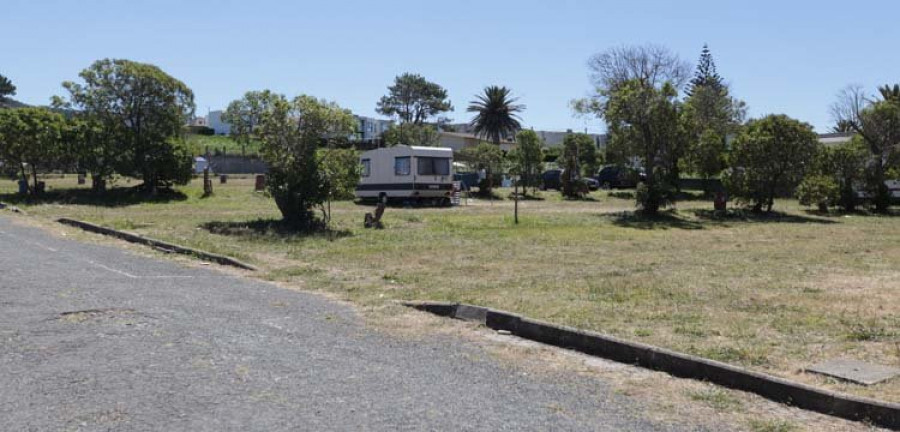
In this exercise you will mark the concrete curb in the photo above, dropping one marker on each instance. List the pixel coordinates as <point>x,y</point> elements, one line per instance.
<point>884,414</point>
<point>158,244</point>
<point>14,209</point>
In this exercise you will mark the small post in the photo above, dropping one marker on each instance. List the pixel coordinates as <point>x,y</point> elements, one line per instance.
<point>516,198</point>
<point>207,183</point>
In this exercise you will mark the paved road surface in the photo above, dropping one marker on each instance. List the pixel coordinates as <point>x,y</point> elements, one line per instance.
<point>96,338</point>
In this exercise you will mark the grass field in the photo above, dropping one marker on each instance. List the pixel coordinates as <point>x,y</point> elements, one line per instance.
<point>773,294</point>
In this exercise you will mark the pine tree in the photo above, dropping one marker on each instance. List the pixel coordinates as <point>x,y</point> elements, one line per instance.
<point>706,74</point>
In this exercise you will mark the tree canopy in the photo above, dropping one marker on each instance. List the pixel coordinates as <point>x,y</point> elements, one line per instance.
<point>496,114</point>
<point>877,121</point>
<point>413,99</point>
<point>144,109</point>
<point>30,141</point>
<point>770,156</point>
<point>291,132</point>
<point>245,114</point>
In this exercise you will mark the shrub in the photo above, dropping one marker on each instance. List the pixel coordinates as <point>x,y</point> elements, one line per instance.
<point>818,190</point>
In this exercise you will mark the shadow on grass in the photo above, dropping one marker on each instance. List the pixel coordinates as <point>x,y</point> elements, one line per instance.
<point>664,220</point>
<point>621,195</point>
<point>115,197</point>
<point>740,215</point>
<point>269,228</point>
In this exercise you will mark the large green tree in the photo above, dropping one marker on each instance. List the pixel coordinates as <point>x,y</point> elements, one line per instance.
<point>770,156</point>
<point>877,121</point>
<point>496,114</point>
<point>7,89</point>
<point>636,91</point>
<point>710,116</point>
<point>245,114</point>
<point>291,132</point>
<point>413,100</point>
<point>30,141</point>
<point>145,109</point>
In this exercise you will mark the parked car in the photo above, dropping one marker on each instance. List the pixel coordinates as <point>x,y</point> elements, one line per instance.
<point>552,179</point>
<point>619,177</point>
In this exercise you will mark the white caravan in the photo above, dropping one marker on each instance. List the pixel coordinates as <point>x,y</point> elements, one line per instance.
<point>407,172</point>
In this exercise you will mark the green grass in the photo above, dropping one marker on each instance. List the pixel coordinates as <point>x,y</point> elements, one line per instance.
<point>774,294</point>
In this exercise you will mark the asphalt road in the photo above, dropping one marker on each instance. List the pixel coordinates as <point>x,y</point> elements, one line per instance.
<point>96,338</point>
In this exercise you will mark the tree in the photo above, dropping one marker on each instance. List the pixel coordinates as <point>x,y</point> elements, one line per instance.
<point>588,159</point>
<point>245,114</point>
<point>528,159</point>
<point>635,91</point>
<point>340,171</point>
<point>413,99</point>
<point>425,135</point>
<point>878,123</point>
<point>143,109</point>
<point>769,156</point>
<point>710,116</point>
<point>291,132</point>
<point>890,94</point>
<point>571,186</point>
<point>495,114</point>
<point>706,75</point>
<point>7,89</point>
<point>819,190</point>
<point>30,141</point>
<point>487,157</point>
<point>844,167</point>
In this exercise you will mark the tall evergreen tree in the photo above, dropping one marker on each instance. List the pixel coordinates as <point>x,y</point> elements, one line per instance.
<point>706,74</point>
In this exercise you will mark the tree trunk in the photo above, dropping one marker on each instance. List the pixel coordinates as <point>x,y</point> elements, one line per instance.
<point>882,196</point>
<point>98,184</point>
<point>34,191</point>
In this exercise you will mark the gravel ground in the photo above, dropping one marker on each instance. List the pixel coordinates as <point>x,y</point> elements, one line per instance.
<point>95,338</point>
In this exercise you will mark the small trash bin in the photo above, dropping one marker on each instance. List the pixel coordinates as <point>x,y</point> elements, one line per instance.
<point>23,187</point>
<point>260,183</point>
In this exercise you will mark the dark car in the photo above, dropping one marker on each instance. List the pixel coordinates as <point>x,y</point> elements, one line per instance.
<point>552,179</point>
<point>618,177</point>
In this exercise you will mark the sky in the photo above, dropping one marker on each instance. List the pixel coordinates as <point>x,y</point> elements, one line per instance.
<point>786,57</point>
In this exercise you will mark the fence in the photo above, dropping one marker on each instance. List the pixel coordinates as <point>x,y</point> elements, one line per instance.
<point>228,164</point>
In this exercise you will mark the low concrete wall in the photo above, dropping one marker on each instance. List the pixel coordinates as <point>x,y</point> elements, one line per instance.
<point>880,413</point>
<point>133,238</point>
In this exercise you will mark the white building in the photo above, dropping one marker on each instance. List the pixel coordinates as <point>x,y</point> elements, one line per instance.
<point>214,120</point>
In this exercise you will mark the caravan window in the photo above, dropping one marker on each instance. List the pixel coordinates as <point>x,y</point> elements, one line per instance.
<point>434,166</point>
<point>366,167</point>
<point>402,166</point>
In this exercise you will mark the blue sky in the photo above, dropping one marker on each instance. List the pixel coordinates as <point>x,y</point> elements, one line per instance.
<point>783,56</point>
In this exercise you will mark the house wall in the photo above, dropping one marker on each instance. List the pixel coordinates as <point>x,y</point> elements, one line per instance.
<point>214,120</point>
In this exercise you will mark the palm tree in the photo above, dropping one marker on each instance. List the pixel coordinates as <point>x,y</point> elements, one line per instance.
<point>890,94</point>
<point>496,114</point>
